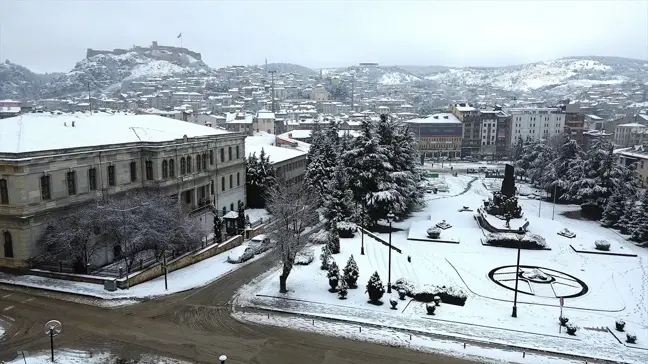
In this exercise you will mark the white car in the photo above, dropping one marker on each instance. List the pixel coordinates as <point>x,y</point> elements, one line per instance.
<point>240,254</point>
<point>259,243</point>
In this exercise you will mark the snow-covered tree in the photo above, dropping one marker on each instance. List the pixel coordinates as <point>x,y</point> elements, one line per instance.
<point>640,233</point>
<point>325,257</point>
<point>343,289</point>
<point>339,199</point>
<point>292,211</point>
<point>333,242</point>
<point>323,158</point>
<point>631,211</point>
<point>240,221</point>
<point>562,171</point>
<point>260,176</point>
<point>518,149</point>
<point>375,287</point>
<point>333,274</point>
<point>614,209</point>
<point>351,273</point>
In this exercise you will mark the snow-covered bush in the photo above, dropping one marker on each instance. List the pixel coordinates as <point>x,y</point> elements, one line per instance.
<point>333,275</point>
<point>513,240</point>
<point>342,289</point>
<point>433,233</point>
<point>402,294</point>
<point>620,324</point>
<point>430,309</point>
<point>375,288</point>
<point>304,257</point>
<point>346,229</point>
<point>603,245</point>
<point>571,328</point>
<point>320,237</point>
<point>437,300</point>
<point>631,338</point>
<point>448,295</point>
<point>325,258</point>
<point>500,205</point>
<point>403,284</point>
<point>563,320</point>
<point>351,272</point>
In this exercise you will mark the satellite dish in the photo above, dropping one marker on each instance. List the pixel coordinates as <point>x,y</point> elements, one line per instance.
<point>53,326</point>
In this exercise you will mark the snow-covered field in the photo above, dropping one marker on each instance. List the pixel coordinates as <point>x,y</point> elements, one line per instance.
<point>67,356</point>
<point>193,276</point>
<point>616,286</point>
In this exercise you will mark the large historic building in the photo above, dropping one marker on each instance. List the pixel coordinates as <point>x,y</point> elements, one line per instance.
<point>50,163</point>
<point>438,135</point>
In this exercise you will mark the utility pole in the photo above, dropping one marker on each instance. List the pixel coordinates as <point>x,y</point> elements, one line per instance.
<point>352,94</point>
<point>272,73</point>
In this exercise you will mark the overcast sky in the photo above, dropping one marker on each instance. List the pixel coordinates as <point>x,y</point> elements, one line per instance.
<point>52,35</point>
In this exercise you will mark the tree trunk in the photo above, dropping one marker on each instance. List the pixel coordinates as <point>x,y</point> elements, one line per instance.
<point>283,278</point>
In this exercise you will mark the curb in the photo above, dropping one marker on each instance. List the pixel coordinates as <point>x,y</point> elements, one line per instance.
<point>475,342</point>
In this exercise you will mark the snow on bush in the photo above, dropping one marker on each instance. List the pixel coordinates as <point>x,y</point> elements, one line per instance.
<point>346,229</point>
<point>325,258</point>
<point>563,320</point>
<point>320,237</point>
<point>375,288</point>
<point>403,284</point>
<point>449,295</point>
<point>620,324</point>
<point>571,328</point>
<point>351,272</point>
<point>603,245</point>
<point>513,240</point>
<point>305,257</point>
<point>434,233</point>
<point>631,338</point>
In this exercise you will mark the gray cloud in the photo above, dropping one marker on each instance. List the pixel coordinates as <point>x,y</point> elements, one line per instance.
<point>51,35</point>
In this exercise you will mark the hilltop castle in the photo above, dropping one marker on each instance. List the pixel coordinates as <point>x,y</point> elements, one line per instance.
<point>167,53</point>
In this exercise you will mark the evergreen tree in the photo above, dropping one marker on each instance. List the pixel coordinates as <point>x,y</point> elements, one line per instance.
<point>351,273</point>
<point>640,233</point>
<point>240,221</point>
<point>333,274</point>
<point>323,157</point>
<point>562,172</point>
<point>333,242</point>
<point>260,176</point>
<point>325,258</point>
<point>614,209</point>
<point>316,141</point>
<point>518,149</point>
<point>368,169</point>
<point>631,210</point>
<point>337,203</point>
<point>375,287</point>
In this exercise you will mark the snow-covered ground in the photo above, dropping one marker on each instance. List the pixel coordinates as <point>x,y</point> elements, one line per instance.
<point>68,356</point>
<point>616,285</point>
<point>462,166</point>
<point>193,276</point>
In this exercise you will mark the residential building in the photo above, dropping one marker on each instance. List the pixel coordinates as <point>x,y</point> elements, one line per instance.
<point>470,119</point>
<point>610,126</point>
<point>288,161</point>
<point>438,135</point>
<point>631,134</point>
<point>319,93</point>
<point>536,122</point>
<point>590,136</point>
<point>51,163</point>
<point>637,154</point>
<point>264,121</point>
<point>574,121</point>
<point>239,122</point>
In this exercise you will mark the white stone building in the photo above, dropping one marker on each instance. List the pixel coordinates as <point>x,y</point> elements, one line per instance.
<point>536,122</point>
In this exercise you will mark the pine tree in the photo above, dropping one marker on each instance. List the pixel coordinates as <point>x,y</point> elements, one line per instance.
<point>351,273</point>
<point>375,288</point>
<point>562,172</point>
<point>343,289</point>
<point>368,169</point>
<point>337,203</point>
<point>333,243</point>
<point>322,159</point>
<point>260,176</point>
<point>640,233</point>
<point>333,275</point>
<point>325,258</point>
<point>518,149</point>
<point>628,222</point>
<point>614,209</point>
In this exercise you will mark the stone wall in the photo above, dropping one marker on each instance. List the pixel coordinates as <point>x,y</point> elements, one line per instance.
<point>145,50</point>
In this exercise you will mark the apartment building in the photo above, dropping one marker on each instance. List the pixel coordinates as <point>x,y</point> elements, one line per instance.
<point>630,134</point>
<point>470,119</point>
<point>51,163</point>
<point>574,121</point>
<point>536,122</point>
<point>438,135</point>
<point>637,154</point>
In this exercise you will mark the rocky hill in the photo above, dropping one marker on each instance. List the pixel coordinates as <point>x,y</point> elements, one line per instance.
<point>290,68</point>
<point>19,83</point>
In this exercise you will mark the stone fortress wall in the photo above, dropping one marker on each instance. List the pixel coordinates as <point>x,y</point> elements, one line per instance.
<point>167,53</point>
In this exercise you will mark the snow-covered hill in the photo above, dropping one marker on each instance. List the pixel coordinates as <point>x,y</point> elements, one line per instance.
<point>19,83</point>
<point>397,78</point>
<point>108,71</point>
<point>561,74</point>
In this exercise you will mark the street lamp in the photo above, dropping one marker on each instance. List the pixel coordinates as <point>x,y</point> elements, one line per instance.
<point>222,358</point>
<point>517,276</point>
<point>390,218</point>
<point>362,232</point>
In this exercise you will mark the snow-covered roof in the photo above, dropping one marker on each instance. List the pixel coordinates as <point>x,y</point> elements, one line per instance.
<point>464,108</point>
<point>304,134</point>
<point>9,109</point>
<point>254,144</point>
<point>632,125</point>
<point>594,117</point>
<point>265,114</point>
<point>39,132</point>
<point>445,118</point>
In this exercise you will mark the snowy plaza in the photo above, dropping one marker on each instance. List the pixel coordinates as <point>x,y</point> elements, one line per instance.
<point>599,288</point>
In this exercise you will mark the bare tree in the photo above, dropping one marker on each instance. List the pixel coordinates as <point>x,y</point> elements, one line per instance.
<point>290,206</point>
<point>73,236</point>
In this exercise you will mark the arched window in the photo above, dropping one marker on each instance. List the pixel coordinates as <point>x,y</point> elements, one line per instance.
<point>165,169</point>
<point>198,163</point>
<point>189,164</point>
<point>183,166</point>
<point>171,168</point>
<point>8,245</point>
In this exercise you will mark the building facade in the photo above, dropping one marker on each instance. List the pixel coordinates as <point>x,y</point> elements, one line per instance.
<point>438,135</point>
<point>204,170</point>
<point>630,134</point>
<point>471,143</point>
<point>536,122</point>
<point>639,155</point>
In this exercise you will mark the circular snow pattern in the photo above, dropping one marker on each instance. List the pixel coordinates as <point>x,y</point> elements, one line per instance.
<point>539,281</point>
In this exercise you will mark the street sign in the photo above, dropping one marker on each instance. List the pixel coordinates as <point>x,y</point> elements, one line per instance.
<point>54,327</point>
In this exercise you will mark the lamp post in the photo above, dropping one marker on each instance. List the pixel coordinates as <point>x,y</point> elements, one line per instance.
<point>390,218</point>
<point>222,358</point>
<point>517,276</point>
<point>362,232</point>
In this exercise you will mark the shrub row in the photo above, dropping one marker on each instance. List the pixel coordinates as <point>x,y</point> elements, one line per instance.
<point>449,295</point>
<point>513,240</point>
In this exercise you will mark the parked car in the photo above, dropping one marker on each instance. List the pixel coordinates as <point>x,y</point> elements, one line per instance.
<point>240,254</point>
<point>259,243</point>
<point>482,169</point>
<point>471,170</point>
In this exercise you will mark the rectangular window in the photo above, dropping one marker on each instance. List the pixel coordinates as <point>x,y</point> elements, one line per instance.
<point>237,152</point>
<point>149,170</point>
<point>238,178</point>
<point>171,168</point>
<point>133,171</point>
<point>71,182</point>
<point>230,180</point>
<point>204,162</point>
<point>198,163</point>
<point>222,154</point>
<point>92,179</point>
<point>45,188</point>
<point>111,175</point>
<point>223,183</point>
<point>4,192</point>
<point>212,187</point>
<point>211,157</point>
<point>229,152</point>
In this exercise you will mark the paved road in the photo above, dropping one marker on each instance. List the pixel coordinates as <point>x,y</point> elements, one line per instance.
<point>194,326</point>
